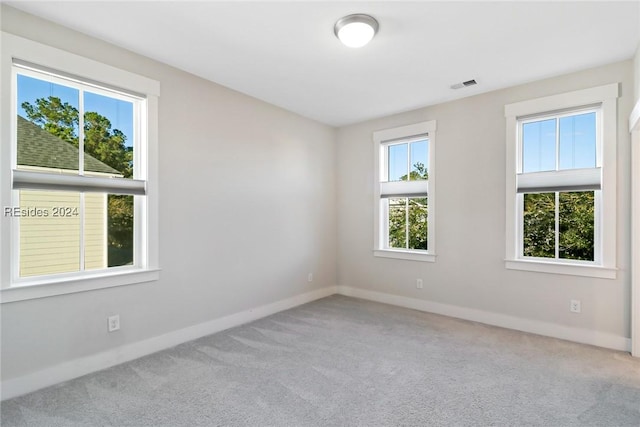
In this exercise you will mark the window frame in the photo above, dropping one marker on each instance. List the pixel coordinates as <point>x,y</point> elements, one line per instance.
<point>604,100</point>
<point>382,140</point>
<point>89,72</point>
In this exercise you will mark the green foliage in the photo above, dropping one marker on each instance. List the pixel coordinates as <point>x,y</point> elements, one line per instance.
<point>100,141</point>
<point>103,143</point>
<point>398,223</point>
<point>107,145</point>
<point>120,229</point>
<point>575,225</point>
<point>56,117</point>
<point>576,212</point>
<point>412,210</point>
<point>419,173</point>
<point>539,220</point>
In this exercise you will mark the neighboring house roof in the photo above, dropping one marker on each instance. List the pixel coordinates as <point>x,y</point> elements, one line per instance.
<point>37,147</point>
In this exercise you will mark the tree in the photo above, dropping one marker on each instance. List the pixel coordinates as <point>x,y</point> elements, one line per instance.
<point>539,224</point>
<point>412,211</point>
<point>107,145</point>
<point>103,143</point>
<point>56,117</point>
<point>575,225</point>
<point>100,141</point>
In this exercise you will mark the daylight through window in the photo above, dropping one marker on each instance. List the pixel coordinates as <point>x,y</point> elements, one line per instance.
<point>405,192</point>
<point>559,185</point>
<point>77,180</point>
<point>406,225</point>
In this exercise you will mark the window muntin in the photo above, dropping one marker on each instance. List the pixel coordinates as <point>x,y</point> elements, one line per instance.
<point>567,141</point>
<point>408,223</point>
<point>559,225</point>
<point>30,55</point>
<point>601,179</point>
<point>78,168</point>
<point>559,186</point>
<point>405,219</point>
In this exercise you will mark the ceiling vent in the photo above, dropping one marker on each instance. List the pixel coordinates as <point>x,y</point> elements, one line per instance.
<point>464,84</point>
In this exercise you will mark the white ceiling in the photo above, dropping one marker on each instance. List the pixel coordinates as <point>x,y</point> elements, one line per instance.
<point>285,53</point>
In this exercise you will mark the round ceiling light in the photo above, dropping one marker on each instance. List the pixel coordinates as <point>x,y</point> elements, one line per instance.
<point>356,30</point>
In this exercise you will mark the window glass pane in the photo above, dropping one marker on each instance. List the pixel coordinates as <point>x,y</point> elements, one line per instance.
<point>578,141</point>
<point>419,160</point>
<point>576,217</point>
<point>539,146</point>
<point>539,225</point>
<point>418,223</point>
<point>95,231</point>
<point>49,232</point>
<point>398,223</point>
<point>47,131</point>
<point>120,230</point>
<point>398,162</point>
<point>51,229</point>
<point>108,231</point>
<point>108,136</point>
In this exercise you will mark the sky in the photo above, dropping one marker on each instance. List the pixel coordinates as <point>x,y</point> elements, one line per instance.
<point>576,139</point>
<point>572,137</point>
<point>398,158</point>
<point>119,112</point>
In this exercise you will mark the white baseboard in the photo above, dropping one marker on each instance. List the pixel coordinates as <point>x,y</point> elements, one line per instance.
<point>585,336</point>
<point>76,368</point>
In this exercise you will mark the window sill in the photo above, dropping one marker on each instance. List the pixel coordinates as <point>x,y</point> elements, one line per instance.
<point>51,287</point>
<point>406,255</point>
<point>562,268</point>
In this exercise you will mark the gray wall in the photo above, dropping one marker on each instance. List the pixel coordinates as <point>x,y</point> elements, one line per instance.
<point>247,209</point>
<point>470,215</point>
<point>636,74</point>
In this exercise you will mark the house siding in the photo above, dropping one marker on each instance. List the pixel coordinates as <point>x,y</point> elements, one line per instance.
<point>95,231</point>
<point>50,245</point>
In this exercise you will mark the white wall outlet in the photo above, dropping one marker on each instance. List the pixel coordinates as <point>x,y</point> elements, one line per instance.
<point>418,283</point>
<point>113,323</point>
<point>575,306</point>
<point>310,277</point>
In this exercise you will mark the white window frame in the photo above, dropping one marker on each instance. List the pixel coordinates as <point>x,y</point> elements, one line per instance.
<point>19,50</point>
<point>381,140</point>
<point>602,99</point>
<point>634,129</point>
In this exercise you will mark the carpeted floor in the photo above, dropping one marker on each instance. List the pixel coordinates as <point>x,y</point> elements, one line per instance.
<point>342,361</point>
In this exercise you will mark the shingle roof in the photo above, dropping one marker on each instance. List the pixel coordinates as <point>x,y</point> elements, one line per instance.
<point>37,147</point>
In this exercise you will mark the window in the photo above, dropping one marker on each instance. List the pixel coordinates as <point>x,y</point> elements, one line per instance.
<point>405,192</point>
<point>78,184</point>
<point>561,183</point>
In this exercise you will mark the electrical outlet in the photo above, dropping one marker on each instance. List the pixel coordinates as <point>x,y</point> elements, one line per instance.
<point>113,323</point>
<point>419,283</point>
<point>575,306</point>
<point>310,277</point>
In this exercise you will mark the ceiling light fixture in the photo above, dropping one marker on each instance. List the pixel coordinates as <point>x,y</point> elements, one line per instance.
<point>356,30</point>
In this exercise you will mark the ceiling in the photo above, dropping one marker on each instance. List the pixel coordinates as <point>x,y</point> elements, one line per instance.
<point>285,53</point>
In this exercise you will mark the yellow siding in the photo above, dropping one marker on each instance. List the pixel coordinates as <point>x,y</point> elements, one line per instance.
<point>51,244</point>
<point>95,231</point>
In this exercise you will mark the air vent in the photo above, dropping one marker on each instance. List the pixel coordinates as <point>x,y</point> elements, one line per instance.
<point>464,84</point>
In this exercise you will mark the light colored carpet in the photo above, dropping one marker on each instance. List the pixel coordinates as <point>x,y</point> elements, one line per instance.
<point>342,361</point>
